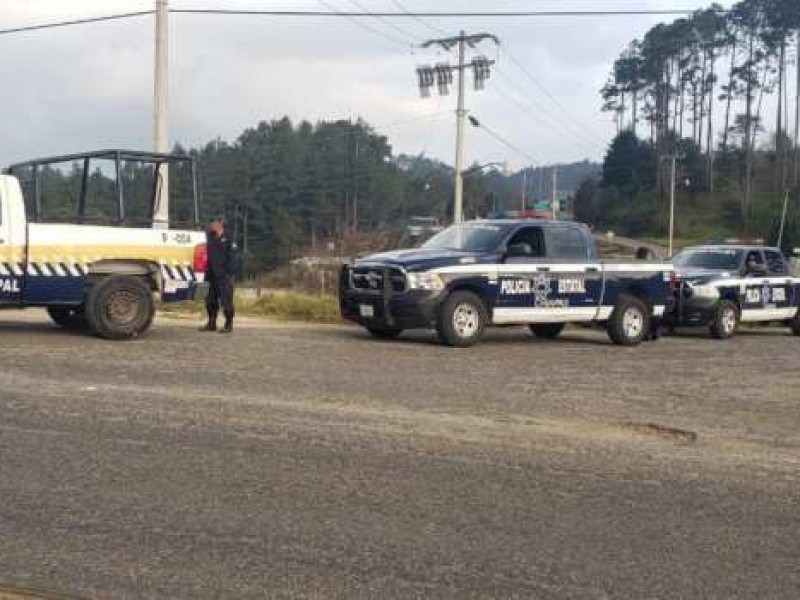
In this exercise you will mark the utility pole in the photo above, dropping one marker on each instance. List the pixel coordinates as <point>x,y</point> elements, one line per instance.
<point>355,186</point>
<point>461,115</point>
<point>443,74</point>
<point>554,201</point>
<point>524,185</point>
<point>797,119</point>
<point>161,213</point>
<point>673,159</point>
<point>672,204</point>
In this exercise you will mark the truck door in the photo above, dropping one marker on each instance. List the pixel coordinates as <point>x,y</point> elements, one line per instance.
<point>10,254</point>
<point>547,277</point>
<point>518,276</point>
<point>756,292</point>
<point>782,295</point>
<point>576,276</point>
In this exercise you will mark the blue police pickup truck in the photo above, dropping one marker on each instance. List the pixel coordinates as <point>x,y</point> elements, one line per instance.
<point>533,272</point>
<point>721,286</point>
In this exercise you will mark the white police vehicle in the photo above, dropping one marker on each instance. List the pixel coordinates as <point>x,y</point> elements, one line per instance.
<point>722,286</point>
<point>533,272</point>
<point>105,278</point>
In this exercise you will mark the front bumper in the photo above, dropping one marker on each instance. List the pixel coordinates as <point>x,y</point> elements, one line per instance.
<point>412,309</point>
<point>688,310</point>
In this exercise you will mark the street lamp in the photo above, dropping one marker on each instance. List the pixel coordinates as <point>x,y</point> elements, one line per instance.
<point>503,167</point>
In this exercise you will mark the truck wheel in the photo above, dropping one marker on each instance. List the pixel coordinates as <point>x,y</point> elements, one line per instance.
<point>630,322</point>
<point>462,319</point>
<point>384,333</point>
<point>725,321</point>
<point>119,307</point>
<point>547,330</point>
<point>795,324</point>
<point>68,318</point>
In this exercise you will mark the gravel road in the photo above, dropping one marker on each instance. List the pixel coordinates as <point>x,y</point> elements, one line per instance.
<point>291,461</point>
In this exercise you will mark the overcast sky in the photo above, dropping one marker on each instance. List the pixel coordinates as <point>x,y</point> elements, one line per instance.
<point>90,86</point>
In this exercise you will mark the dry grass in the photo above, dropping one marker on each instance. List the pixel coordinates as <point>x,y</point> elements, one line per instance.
<point>282,305</point>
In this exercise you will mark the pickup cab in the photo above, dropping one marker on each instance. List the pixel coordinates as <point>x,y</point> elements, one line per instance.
<point>533,272</point>
<point>721,286</point>
<point>104,278</point>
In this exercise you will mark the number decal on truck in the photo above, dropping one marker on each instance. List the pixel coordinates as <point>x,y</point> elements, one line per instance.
<point>182,238</point>
<point>177,238</point>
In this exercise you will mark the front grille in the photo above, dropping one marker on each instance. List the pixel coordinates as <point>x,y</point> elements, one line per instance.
<point>372,278</point>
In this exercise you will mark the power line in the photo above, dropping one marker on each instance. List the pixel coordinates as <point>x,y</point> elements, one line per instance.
<point>386,22</point>
<point>76,22</point>
<point>332,12</point>
<point>543,89</point>
<point>418,19</point>
<point>442,14</point>
<point>547,117</point>
<point>563,144</point>
<point>327,5</point>
<point>552,122</point>
<point>511,146</point>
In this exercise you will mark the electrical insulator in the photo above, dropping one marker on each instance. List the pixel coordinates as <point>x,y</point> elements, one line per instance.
<point>425,79</point>
<point>444,78</point>
<point>480,71</point>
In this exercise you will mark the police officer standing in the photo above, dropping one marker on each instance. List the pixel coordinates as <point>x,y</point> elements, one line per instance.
<point>221,276</point>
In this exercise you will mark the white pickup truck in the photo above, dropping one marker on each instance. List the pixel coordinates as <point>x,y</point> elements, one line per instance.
<point>105,278</point>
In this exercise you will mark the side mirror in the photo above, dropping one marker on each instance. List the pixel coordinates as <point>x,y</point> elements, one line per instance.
<point>519,250</point>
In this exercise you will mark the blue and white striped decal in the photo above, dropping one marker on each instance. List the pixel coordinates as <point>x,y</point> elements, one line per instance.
<point>555,292</point>
<point>63,281</point>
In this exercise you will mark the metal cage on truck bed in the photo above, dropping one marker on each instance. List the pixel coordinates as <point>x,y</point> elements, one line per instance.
<point>31,172</point>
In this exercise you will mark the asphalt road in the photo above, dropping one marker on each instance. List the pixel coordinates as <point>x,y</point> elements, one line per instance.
<point>314,462</point>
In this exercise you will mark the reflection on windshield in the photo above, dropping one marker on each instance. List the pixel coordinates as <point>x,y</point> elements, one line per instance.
<point>721,260</point>
<point>469,237</point>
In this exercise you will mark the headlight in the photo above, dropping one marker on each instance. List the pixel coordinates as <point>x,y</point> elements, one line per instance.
<point>425,281</point>
<point>704,291</point>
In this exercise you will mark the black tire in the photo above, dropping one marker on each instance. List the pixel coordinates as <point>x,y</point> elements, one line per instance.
<point>795,324</point>
<point>120,307</point>
<point>462,319</point>
<point>384,333</point>
<point>69,318</point>
<point>629,324</point>
<point>547,330</point>
<point>726,320</point>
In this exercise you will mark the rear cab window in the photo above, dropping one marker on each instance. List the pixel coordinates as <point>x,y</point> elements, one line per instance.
<point>776,264</point>
<point>566,243</point>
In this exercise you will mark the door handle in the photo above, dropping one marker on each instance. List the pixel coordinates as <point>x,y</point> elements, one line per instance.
<point>543,269</point>
<point>592,270</point>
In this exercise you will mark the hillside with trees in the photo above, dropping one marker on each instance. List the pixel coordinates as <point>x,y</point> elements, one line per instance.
<point>713,89</point>
<point>303,187</point>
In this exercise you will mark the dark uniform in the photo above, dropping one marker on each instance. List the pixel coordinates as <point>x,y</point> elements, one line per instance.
<point>221,277</point>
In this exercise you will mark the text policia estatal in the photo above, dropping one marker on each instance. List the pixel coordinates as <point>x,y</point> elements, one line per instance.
<point>9,286</point>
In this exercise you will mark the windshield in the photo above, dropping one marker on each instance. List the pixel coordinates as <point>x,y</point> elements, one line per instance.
<point>721,260</point>
<point>469,237</point>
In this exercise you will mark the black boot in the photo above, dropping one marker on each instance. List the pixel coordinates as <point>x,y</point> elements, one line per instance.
<point>211,325</point>
<point>228,327</point>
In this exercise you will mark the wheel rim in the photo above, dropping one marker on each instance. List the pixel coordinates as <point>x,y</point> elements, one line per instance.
<point>728,320</point>
<point>466,320</point>
<point>633,323</point>
<point>123,307</point>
